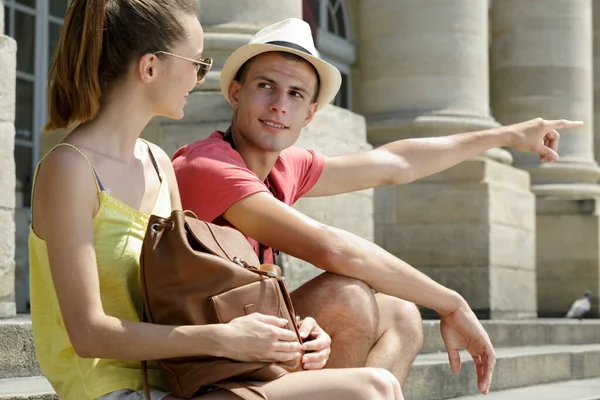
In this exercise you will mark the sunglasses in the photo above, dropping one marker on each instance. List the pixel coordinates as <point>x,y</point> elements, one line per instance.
<point>202,66</point>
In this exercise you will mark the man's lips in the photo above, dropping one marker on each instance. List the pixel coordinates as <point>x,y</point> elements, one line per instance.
<point>273,124</point>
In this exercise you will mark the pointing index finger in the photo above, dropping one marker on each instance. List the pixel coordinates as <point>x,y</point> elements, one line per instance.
<point>563,123</point>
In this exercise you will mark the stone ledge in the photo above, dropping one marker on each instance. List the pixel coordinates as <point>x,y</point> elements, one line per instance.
<point>567,206</point>
<point>430,377</point>
<point>535,332</point>
<point>34,388</point>
<point>588,389</point>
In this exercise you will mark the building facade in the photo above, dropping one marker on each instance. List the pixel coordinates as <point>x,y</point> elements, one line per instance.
<point>515,237</point>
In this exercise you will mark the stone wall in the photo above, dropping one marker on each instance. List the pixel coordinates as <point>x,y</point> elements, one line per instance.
<point>568,259</point>
<point>8,65</point>
<point>471,228</point>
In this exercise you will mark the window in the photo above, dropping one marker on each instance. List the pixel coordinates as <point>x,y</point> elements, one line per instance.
<point>336,18</point>
<point>332,30</point>
<point>35,25</point>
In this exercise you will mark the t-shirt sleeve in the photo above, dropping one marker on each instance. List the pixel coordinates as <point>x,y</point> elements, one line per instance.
<point>307,166</point>
<point>210,183</point>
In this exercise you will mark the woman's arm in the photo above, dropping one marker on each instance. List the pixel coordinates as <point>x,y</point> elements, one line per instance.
<point>64,204</point>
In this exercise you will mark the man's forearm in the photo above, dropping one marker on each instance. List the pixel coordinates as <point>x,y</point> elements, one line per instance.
<point>426,156</point>
<point>358,258</point>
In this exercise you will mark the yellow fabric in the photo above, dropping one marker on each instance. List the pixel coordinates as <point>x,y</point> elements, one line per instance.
<point>118,234</point>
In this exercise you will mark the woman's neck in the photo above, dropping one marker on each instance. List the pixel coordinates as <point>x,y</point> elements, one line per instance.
<point>116,128</point>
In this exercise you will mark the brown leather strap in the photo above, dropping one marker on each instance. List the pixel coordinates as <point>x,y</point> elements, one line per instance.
<point>145,380</point>
<point>243,390</point>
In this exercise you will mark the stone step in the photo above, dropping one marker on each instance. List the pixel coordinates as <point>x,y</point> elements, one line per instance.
<point>585,389</point>
<point>537,332</point>
<point>17,353</point>
<point>431,378</point>
<point>17,356</point>
<point>30,388</point>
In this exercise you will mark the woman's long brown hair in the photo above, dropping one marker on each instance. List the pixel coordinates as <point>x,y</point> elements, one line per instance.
<point>98,42</point>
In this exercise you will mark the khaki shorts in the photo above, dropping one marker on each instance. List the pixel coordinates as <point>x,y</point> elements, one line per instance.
<point>133,395</point>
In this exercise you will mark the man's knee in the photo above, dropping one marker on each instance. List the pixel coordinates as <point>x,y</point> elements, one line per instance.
<point>344,302</point>
<point>351,296</point>
<point>404,318</point>
<point>345,288</point>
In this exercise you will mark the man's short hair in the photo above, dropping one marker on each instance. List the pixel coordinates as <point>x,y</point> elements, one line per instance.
<point>243,71</point>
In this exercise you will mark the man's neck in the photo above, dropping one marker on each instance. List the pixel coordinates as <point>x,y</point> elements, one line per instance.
<point>256,160</point>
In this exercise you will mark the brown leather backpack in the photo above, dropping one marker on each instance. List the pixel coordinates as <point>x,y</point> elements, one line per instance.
<point>196,273</point>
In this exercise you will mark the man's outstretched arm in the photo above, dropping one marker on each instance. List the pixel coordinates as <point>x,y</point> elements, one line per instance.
<point>277,225</point>
<point>407,160</point>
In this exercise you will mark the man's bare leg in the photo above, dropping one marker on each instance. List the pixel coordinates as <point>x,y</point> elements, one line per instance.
<point>346,309</point>
<point>366,329</point>
<point>400,336</point>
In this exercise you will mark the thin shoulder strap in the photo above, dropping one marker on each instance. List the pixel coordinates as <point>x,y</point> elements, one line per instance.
<point>99,186</point>
<point>154,162</point>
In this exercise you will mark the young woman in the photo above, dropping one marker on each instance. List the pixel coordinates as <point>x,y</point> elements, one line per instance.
<point>119,63</point>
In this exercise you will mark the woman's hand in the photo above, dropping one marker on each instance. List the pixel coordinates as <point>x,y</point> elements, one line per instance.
<point>259,338</point>
<point>317,345</point>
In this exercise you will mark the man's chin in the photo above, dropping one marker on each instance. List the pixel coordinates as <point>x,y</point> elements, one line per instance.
<point>274,149</point>
<point>271,147</point>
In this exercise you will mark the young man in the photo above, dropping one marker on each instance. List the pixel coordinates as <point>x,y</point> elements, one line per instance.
<point>250,176</point>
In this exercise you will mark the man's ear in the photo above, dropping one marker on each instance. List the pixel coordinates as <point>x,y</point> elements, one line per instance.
<point>233,92</point>
<point>147,67</point>
<point>312,109</point>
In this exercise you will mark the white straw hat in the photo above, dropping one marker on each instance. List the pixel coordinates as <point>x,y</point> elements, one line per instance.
<point>291,36</point>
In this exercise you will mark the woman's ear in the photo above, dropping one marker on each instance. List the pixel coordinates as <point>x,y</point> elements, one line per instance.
<point>147,67</point>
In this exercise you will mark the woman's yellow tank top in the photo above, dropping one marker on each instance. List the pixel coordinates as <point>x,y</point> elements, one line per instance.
<point>118,234</point>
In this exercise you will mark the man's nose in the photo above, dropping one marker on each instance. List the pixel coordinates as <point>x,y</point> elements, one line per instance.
<point>279,103</point>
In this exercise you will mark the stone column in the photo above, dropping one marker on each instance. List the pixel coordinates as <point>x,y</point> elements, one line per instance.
<point>542,66</point>
<point>596,76</point>
<point>424,72</point>
<point>8,67</point>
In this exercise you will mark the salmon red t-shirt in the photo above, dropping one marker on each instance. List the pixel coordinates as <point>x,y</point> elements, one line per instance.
<point>212,176</point>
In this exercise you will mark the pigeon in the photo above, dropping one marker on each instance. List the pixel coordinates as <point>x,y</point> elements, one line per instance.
<point>580,306</point>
